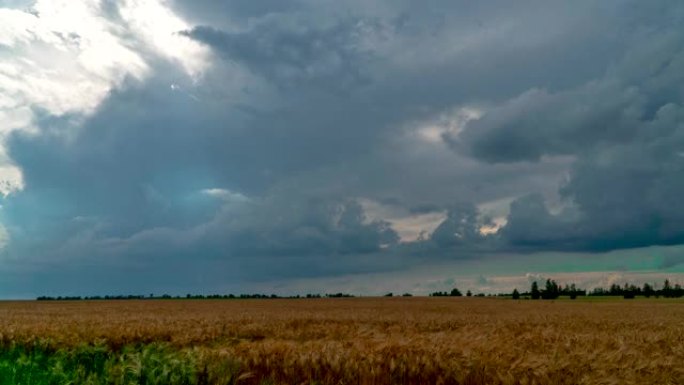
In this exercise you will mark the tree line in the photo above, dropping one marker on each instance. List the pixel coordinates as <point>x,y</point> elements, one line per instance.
<point>647,290</point>
<point>550,290</point>
<point>188,296</point>
<point>553,290</point>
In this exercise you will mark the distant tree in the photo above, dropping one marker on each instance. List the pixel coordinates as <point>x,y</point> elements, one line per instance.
<point>677,291</point>
<point>453,293</point>
<point>534,291</point>
<point>469,293</point>
<point>516,294</point>
<point>407,295</point>
<point>572,291</point>
<point>551,290</point>
<point>629,291</point>
<point>389,294</point>
<point>667,289</point>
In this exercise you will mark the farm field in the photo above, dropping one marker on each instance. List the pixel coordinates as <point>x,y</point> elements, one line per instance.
<point>343,341</point>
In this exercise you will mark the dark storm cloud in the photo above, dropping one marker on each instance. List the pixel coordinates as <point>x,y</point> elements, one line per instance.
<point>625,130</point>
<point>137,176</point>
<point>254,171</point>
<point>537,123</point>
<point>289,55</point>
<point>461,227</point>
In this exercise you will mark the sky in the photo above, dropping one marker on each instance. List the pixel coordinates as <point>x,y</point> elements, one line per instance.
<point>201,146</point>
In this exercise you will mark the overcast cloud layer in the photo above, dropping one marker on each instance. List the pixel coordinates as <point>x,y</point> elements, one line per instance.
<point>202,145</point>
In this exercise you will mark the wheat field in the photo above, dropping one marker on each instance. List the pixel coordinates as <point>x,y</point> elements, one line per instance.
<point>377,340</point>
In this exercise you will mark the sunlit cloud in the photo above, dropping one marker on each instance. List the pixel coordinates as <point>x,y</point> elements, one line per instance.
<point>160,28</point>
<point>225,195</point>
<point>493,214</point>
<point>451,123</point>
<point>409,226</point>
<point>64,58</point>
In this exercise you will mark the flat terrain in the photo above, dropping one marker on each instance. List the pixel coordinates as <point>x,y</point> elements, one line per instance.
<point>380,340</point>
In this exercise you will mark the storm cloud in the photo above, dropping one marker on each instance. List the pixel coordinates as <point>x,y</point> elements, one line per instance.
<point>237,142</point>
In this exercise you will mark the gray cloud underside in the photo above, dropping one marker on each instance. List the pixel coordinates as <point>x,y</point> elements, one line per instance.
<point>310,105</point>
<point>625,129</point>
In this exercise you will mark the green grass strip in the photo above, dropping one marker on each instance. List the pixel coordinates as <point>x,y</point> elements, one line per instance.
<point>154,364</point>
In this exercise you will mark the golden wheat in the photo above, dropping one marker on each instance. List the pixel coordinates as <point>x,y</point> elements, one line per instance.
<point>385,340</point>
